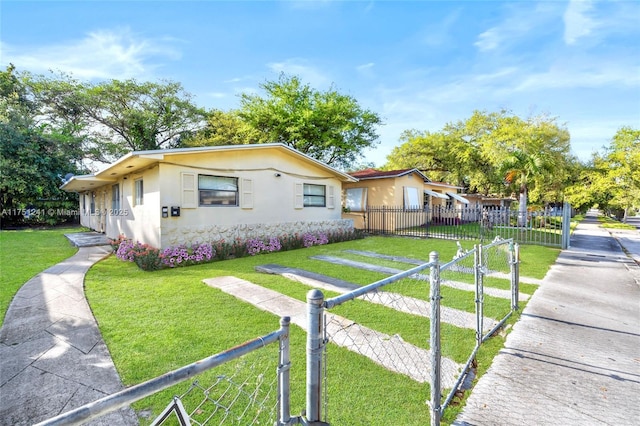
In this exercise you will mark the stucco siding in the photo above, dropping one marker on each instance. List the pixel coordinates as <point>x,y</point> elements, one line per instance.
<point>266,204</point>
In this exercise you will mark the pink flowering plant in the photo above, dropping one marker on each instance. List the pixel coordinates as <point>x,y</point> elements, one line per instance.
<point>318,239</point>
<point>182,256</point>
<point>255,246</point>
<point>146,257</point>
<point>151,259</point>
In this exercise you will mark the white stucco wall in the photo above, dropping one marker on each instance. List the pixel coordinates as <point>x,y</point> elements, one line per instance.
<point>267,198</point>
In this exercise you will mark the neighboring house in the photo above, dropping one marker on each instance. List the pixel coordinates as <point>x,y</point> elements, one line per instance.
<point>406,189</point>
<point>183,196</point>
<point>480,201</point>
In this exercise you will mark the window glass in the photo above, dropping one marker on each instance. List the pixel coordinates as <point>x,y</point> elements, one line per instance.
<point>314,195</point>
<point>356,199</point>
<point>115,197</point>
<point>217,190</point>
<point>411,200</point>
<point>139,192</point>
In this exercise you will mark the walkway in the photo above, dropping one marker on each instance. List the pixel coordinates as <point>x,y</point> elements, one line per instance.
<point>574,356</point>
<point>53,356</point>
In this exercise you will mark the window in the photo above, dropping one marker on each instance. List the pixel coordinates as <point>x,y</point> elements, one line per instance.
<point>115,197</point>
<point>356,199</point>
<point>92,205</point>
<point>84,203</point>
<point>218,190</point>
<point>138,192</point>
<point>314,195</point>
<point>411,200</point>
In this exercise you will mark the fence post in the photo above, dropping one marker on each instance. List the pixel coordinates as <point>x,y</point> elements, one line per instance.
<point>479,281</point>
<point>315,347</point>
<point>434,279</point>
<point>514,254</point>
<point>284,367</point>
<point>566,225</point>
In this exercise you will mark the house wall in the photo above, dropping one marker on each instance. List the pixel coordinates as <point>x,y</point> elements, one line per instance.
<point>386,192</point>
<point>140,222</point>
<point>270,201</point>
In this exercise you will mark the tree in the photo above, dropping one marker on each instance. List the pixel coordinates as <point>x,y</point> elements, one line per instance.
<point>224,128</point>
<point>612,179</point>
<point>492,153</point>
<point>623,158</point>
<point>34,158</point>
<point>116,117</point>
<point>328,126</point>
<point>528,153</point>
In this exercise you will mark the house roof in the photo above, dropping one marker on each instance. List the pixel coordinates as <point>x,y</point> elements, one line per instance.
<point>138,160</point>
<point>381,174</point>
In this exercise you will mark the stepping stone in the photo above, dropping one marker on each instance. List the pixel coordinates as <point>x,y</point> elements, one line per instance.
<point>410,305</point>
<point>494,274</point>
<point>391,352</point>
<point>490,291</point>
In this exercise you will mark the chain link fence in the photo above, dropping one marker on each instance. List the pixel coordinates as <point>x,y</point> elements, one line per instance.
<point>426,323</point>
<point>249,386</point>
<point>454,310</point>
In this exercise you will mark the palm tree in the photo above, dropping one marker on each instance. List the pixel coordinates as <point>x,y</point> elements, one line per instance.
<point>522,166</point>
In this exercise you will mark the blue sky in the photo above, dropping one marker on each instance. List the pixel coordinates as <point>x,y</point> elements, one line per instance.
<point>418,64</point>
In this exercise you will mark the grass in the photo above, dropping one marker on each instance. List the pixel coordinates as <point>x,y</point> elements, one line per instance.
<point>154,322</point>
<point>607,222</point>
<point>25,253</point>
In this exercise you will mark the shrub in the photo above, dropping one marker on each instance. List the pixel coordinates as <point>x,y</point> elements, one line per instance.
<point>151,259</point>
<point>146,257</point>
<point>182,255</point>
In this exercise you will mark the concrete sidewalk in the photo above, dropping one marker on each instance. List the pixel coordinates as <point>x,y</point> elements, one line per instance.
<point>53,356</point>
<point>574,356</point>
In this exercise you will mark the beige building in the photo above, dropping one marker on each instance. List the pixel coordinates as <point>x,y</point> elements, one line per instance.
<point>183,196</point>
<point>406,189</point>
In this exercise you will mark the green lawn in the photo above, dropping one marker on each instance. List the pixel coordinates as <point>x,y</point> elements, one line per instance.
<point>154,322</point>
<point>607,222</point>
<point>25,253</point>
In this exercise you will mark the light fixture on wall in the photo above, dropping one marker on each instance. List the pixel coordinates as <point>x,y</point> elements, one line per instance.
<point>277,175</point>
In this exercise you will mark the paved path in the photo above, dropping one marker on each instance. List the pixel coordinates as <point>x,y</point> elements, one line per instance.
<point>53,356</point>
<point>574,356</point>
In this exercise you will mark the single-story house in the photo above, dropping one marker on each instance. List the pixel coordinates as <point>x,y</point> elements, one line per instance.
<point>407,189</point>
<point>209,194</point>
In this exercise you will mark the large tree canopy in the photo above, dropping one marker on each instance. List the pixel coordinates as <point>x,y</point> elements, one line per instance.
<point>328,126</point>
<point>224,128</point>
<point>116,117</point>
<point>34,157</point>
<point>493,153</point>
<point>612,179</point>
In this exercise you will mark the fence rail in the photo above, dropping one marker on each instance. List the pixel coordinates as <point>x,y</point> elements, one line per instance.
<point>548,227</point>
<point>422,363</point>
<point>126,397</point>
<point>443,359</point>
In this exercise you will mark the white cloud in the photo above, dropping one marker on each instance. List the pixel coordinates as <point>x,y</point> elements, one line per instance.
<point>301,68</point>
<point>103,54</point>
<point>489,40</point>
<point>521,20</point>
<point>577,22</point>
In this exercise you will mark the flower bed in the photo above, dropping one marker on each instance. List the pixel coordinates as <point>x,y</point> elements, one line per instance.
<point>150,259</point>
